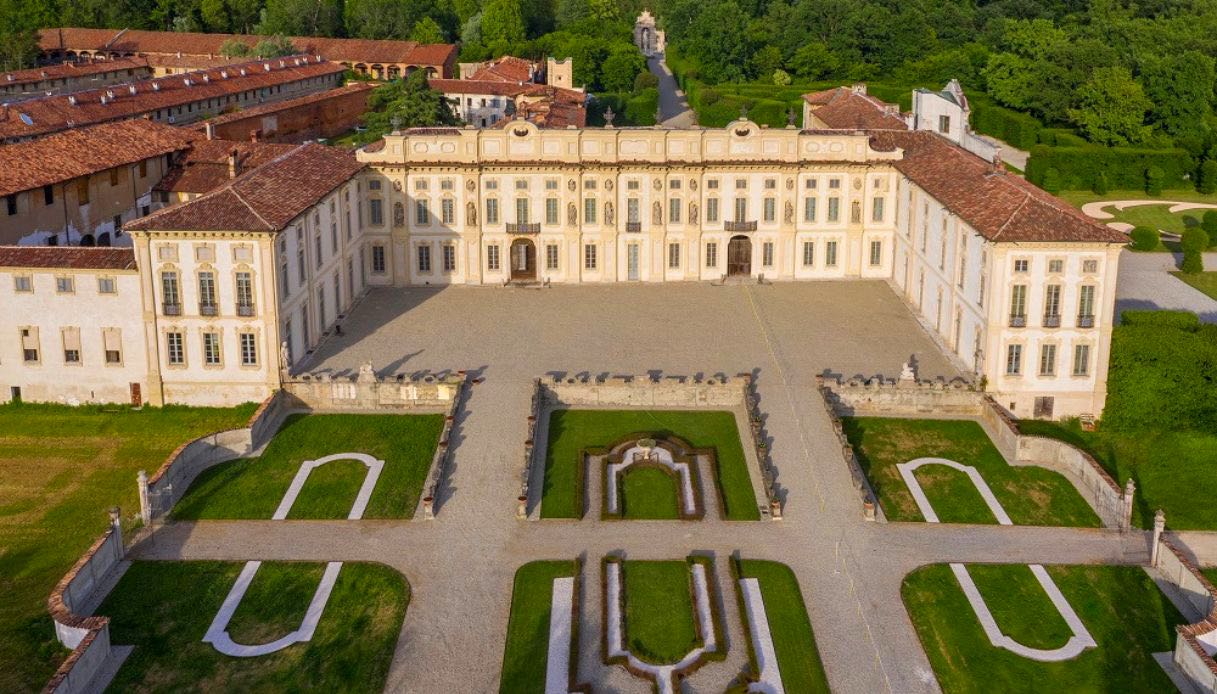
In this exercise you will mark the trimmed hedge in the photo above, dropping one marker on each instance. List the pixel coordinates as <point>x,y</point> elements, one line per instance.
<point>1163,373</point>
<point>1017,129</point>
<point>1174,320</point>
<point>1144,238</point>
<point>1125,167</point>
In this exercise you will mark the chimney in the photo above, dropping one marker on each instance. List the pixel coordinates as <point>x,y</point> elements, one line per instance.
<point>210,129</point>
<point>232,163</point>
<point>891,109</point>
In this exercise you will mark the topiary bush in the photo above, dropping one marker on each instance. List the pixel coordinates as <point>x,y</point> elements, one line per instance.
<point>1209,223</point>
<point>1207,181</point>
<point>1052,181</point>
<point>1100,184</point>
<point>1194,241</point>
<point>1144,238</point>
<point>1153,180</point>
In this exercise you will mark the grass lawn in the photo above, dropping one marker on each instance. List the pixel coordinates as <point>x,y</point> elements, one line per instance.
<point>1153,216</point>
<point>164,609</point>
<point>793,640</point>
<point>1174,471</point>
<point>60,469</point>
<point>527,652</point>
<point>648,493</point>
<point>1204,281</point>
<point>253,487</point>
<point>1210,574</point>
<point>1030,495</point>
<point>572,431</point>
<point>660,626</point>
<point>1120,605</point>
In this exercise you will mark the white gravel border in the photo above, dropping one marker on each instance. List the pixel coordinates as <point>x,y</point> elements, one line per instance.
<point>762,639</point>
<point>307,467</point>
<point>664,456</point>
<point>557,663</point>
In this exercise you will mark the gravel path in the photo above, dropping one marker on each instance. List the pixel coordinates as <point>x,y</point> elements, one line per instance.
<point>1145,282</point>
<point>673,107</point>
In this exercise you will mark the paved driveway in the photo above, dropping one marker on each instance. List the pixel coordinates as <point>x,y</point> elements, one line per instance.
<point>1145,282</point>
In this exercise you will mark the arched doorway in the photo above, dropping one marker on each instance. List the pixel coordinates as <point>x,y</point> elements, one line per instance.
<point>523,260</point>
<point>739,256</point>
<point>88,240</point>
<point>103,239</point>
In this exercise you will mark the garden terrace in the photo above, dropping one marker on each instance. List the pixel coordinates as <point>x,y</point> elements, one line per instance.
<point>526,656</point>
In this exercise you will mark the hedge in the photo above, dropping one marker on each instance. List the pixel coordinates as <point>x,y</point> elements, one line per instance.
<point>1017,129</point>
<point>627,110</point>
<point>1125,167</point>
<point>1163,371</point>
<point>1060,137</point>
<point>1174,320</point>
<point>640,110</point>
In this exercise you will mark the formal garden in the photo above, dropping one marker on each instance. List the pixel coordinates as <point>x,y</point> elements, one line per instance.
<point>526,655</point>
<point>164,609</point>
<point>253,488</point>
<point>574,436</point>
<point>1120,607</point>
<point>793,640</point>
<point>1030,495</point>
<point>50,512</point>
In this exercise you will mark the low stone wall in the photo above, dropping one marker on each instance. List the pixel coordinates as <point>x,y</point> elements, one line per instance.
<point>88,637</point>
<point>366,391</point>
<point>1173,567</point>
<point>878,397</point>
<point>442,458</point>
<point>530,447</point>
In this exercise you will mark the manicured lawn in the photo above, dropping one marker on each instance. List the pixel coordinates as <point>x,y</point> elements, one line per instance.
<point>164,609</point>
<point>1030,495</point>
<point>526,655</point>
<point>1174,471</point>
<point>60,469</point>
<point>572,431</point>
<point>660,626</point>
<point>253,487</point>
<point>648,493</point>
<point>1210,574</point>
<point>1204,281</point>
<point>793,640</point>
<point>1120,605</point>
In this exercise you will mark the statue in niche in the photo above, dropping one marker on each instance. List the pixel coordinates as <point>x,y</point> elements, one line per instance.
<point>471,214</point>
<point>692,213</point>
<point>788,214</point>
<point>397,186</point>
<point>656,214</point>
<point>658,184</point>
<point>790,184</point>
<point>608,213</point>
<point>608,184</point>
<point>470,185</point>
<point>572,215</point>
<point>570,185</point>
<point>399,214</point>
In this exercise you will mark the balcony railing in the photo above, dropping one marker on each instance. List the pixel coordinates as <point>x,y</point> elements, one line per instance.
<point>245,310</point>
<point>208,310</point>
<point>1018,321</point>
<point>1051,321</point>
<point>739,226</point>
<point>524,228</point>
<point>171,309</point>
<point>1085,321</point>
<point>633,227</point>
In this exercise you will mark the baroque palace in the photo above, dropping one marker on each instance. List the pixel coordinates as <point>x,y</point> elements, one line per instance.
<point>229,290</point>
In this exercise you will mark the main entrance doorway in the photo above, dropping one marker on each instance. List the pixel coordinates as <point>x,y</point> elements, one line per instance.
<point>739,256</point>
<point>523,260</point>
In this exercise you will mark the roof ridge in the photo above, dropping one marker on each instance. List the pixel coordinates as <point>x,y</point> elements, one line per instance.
<point>1021,205</point>
<point>251,208</point>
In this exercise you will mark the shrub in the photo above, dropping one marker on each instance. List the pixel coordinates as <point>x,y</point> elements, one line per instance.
<point>1052,181</point>
<point>1175,320</point>
<point>709,97</point>
<point>1163,365</point>
<point>640,110</point>
<point>1209,223</point>
<point>1016,129</point>
<point>1100,184</point>
<point>1153,180</point>
<point>781,78</point>
<point>1125,167</point>
<point>1207,181</point>
<point>645,80</point>
<point>1194,241</point>
<point>1144,238</point>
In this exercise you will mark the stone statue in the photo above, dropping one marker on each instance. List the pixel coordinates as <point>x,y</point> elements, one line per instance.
<point>788,213</point>
<point>570,185</point>
<point>470,185</point>
<point>908,372</point>
<point>366,374</point>
<point>471,214</point>
<point>397,186</point>
<point>608,213</point>
<point>399,215</point>
<point>657,213</point>
<point>572,215</point>
<point>692,213</point>
<point>657,185</point>
<point>285,356</point>
<point>608,184</point>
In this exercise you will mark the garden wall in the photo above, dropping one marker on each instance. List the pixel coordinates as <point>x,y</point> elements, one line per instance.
<point>1191,656</point>
<point>366,391</point>
<point>878,397</point>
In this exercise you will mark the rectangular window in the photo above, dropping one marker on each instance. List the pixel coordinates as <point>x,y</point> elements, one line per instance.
<point>249,349</point>
<point>211,348</point>
<point>112,341</point>
<point>711,254</point>
<point>589,210</point>
<point>551,256</point>
<point>143,168</point>
<point>492,257</point>
<point>424,258</point>
<point>1056,266</point>
<point>521,210</point>
<point>447,210</point>
<point>65,285</point>
<point>589,256</point>
<point>830,254</point>
<point>632,213</point>
<point>175,351</point>
<point>317,253</point>
<point>1086,304</point>
<point>1018,301</point>
<point>333,237</point>
<point>169,293</point>
<point>674,256</point>
<point>113,177</point>
<point>492,211</point>
<point>1090,266</point>
<point>23,284</point>
<point>48,195</point>
<point>809,253</point>
<point>448,251</point>
<point>377,212</point>
<point>944,124</point>
<point>741,209</point>
<point>105,285</point>
<point>771,209</point>
<point>876,253</point>
<point>82,191</point>
<point>1081,360</point>
<point>245,294</point>
<point>1047,360</point>
<point>422,215</point>
<point>809,208</point>
<point>29,345</point>
<point>1052,302</point>
<point>876,210</point>
<point>551,210</point>
<point>767,254</point>
<point>834,209</point>
<point>378,260</point>
<point>1014,360</point>
<point>712,210</point>
<point>207,293</point>
<point>71,345</point>
<point>10,201</point>
<point>301,270</point>
<point>1021,265</point>
<point>674,210</point>
<point>521,184</point>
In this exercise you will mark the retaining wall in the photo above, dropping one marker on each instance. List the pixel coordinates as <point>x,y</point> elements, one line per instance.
<point>1199,594</point>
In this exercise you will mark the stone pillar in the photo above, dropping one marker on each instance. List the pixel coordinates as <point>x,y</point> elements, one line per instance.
<point>429,508</point>
<point>522,507</point>
<point>1159,526</point>
<point>145,508</point>
<point>775,509</point>
<point>116,524</point>
<point>868,510</point>
<point>1126,504</point>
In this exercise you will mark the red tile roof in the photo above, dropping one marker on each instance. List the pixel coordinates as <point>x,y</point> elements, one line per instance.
<point>67,257</point>
<point>277,106</point>
<point>506,69</point>
<point>844,108</point>
<point>74,153</point>
<point>493,88</point>
<point>50,114</point>
<point>81,68</point>
<point>204,167</point>
<point>265,199</point>
<point>192,43</point>
<point>998,205</point>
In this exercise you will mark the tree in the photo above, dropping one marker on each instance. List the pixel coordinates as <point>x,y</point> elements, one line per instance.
<point>781,78</point>
<point>301,18</point>
<point>1209,223</point>
<point>645,80</point>
<point>1193,242</point>
<point>380,19</point>
<point>18,48</point>
<point>572,12</point>
<point>765,61</point>
<point>215,15</point>
<point>618,72</point>
<point>1207,180</point>
<point>274,47</point>
<point>503,21</point>
<point>411,102</point>
<point>814,61</point>
<point>1112,108</point>
<point>1144,238</point>
<point>1180,90</point>
<point>426,30</point>
<point>235,48</point>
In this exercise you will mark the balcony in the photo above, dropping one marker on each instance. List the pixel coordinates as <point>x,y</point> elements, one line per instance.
<point>633,227</point>
<point>1052,321</point>
<point>524,228</point>
<point>245,310</point>
<point>1085,321</point>
<point>208,310</point>
<point>1018,321</point>
<point>739,226</point>
<point>171,309</point>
